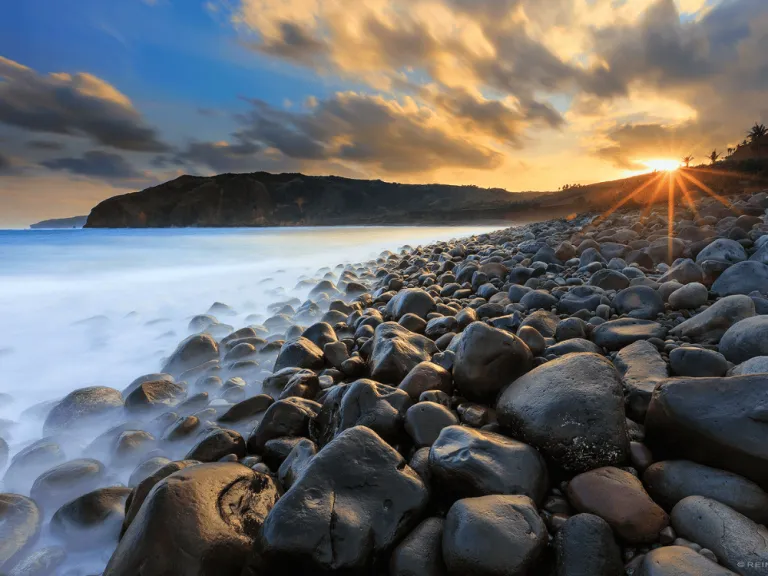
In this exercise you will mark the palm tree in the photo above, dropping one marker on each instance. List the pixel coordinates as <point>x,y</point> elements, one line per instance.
<point>713,156</point>
<point>687,160</point>
<point>730,151</point>
<point>757,132</point>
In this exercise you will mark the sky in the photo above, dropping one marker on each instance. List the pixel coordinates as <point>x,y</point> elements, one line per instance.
<point>99,98</point>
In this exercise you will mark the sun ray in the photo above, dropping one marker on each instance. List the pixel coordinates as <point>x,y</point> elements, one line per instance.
<point>652,199</point>
<point>686,195</point>
<point>707,189</point>
<point>626,199</point>
<point>670,215</point>
<point>731,174</point>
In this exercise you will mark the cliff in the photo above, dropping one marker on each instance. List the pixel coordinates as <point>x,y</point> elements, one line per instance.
<point>73,222</point>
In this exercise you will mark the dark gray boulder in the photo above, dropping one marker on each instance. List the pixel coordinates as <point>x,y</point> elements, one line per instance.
<point>67,481</point>
<point>723,250</point>
<point>192,352</point>
<point>708,327</point>
<point>93,520</point>
<point>300,353</point>
<point>155,395</point>
<point>746,339</point>
<point>421,552</point>
<point>572,410</point>
<point>296,462</point>
<point>585,546</point>
<point>467,463</point>
<point>426,420</point>
<point>83,408</point>
<point>639,302</point>
<point>642,368</point>
<point>697,362</point>
<point>216,444</point>
<point>742,278</point>
<point>426,376</point>
<point>289,417</point>
<point>487,359</point>
<point>410,301</point>
<point>493,536</point>
<point>616,334</point>
<point>380,407</point>
<point>396,351</point>
<point>679,561</point>
<point>543,321</point>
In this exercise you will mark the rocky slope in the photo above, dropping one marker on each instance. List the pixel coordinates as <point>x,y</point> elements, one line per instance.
<point>263,199</point>
<point>574,397</point>
<point>56,223</point>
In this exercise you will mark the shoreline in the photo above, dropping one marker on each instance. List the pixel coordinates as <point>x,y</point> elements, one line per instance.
<point>544,354</point>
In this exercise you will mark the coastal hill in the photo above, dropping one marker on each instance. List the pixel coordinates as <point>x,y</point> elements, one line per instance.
<point>264,199</point>
<point>56,223</point>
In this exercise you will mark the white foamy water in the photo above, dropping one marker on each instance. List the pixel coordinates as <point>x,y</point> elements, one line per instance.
<point>101,307</point>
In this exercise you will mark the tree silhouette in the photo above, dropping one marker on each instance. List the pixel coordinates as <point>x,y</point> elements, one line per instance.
<point>687,160</point>
<point>757,132</point>
<point>713,156</point>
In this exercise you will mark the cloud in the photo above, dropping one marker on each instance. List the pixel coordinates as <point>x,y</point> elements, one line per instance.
<point>222,156</point>
<point>5,163</point>
<point>96,164</point>
<point>79,104</point>
<point>44,145</point>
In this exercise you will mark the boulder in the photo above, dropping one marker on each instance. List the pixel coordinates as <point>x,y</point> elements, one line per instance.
<point>426,376</point>
<point>20,521</point>
<point>619,498</point>
<point>380,407</point>
<point>616,334</point>
<point>67,481</point>
<point>746,339</point>
<point>41,562</point>
<point>723,250</point>
<point>585,546</point>
<point>642,368</point>
<point>396,351</point>
<point>199,521</point>
<point>155,395</point>
<point>355,500</point>
<point>300,353</point>
<point>639,302</point>
<point>487,359</point>
<point>93,520</point>
<point>572,410</point>
<point>247,409</point>
<point>320,334</point>
<point>296,462</point>
<point>756,365</point>
<point>679,561</point>
<point>424,422</point>
<point>493,536</point>
<point>467,463</point>
<point>83,408</point>
<point>410,301</point>
<point>581,298</point>
<point>609,280</point>
<point>685,271</point>
<point>192,352</point>
<point>689,297</point>
<point>289,417</point>
<point>670,481</point>
<point>737,542</point>
<point>543,321</point>
<point>742,278</point>
<point>421,552</point>
<point>216,444</point>
<point>719,422</point>
<point>30,462</point>
<point>697,362</point>
<point>708,327</point>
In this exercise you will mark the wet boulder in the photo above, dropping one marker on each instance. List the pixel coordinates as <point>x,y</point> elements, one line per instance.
<point>723,250</point>
<point>216,444</point>
<point>296,462</point>
<point>191,353</point>
<point>639,302</point>
<point>320,334</point>
<point>619,498</point>
<point>335,518</point>
<point>83,408</point>
<point>66,482</point>
<point>396,351</point>
<point>30,462</point>
<point>426,376</point>
<point>421,552</point>
<point>380,407</point>
<point>410,301</point>
<point>742,278</point>
<point>493,536</point>
<point>746,339</point>
<point>719,422</point>
<point>300,353</point>
<point>155,395</point>
<point>467,463</point>
<point>222,506</point>
<point>697,362</point>
<point>247,409</point>
<point>93,520</point>
<point>571,409</point>
<point>585,546</point>
<point>425,421</point>
<point>708,327</point>
<point>487,359</point>
<point>642,368</point>
<point>616,334</point>
<point>20,521</point>
<point>289,417</point>
<point>42,562</point>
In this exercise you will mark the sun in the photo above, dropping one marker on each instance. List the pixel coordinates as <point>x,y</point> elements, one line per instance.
<point>662,164</point>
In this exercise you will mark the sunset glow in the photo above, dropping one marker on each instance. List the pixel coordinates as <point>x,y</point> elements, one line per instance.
<point>662,164</point>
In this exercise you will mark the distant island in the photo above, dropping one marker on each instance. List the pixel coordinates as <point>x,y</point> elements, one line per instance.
<point>262,199</point>
<point>56,223</point>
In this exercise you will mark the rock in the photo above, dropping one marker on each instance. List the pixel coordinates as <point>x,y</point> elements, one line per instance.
<point>93,520</point>
<point>160,394</point>
<point>697,362</point>
<point>616,334</point>
<point>83,408</point>
<point>708,326</point>
<point>439,327</point>
<point>756,365</point>
<point>619,498</point>
<point>410,301</point>
<point>642,368</point>
<point>396,351</point>
<point>424,422</point>
<point>4,450</point>
<point>42,562</point>
<point>685,271</point>
<point>689,297</point>
<point>146,378</point>
<point>467,463</point>
<point>719,422</point>
<point>746,339</point>
<point>571,328</point>
<point>585,546</point>
<point>289,417</point>
<point>300,353</point>
<point>30,463</point>
<point>223,506</point>
<point>639,302</point>
<point>421,552</point>
<point>670,481</point>
<point>380,407</point>
<point>66,482</point>
<point>738,543</point>
<point>609,280</point>
<point>216,444</point>
<point>679,561</point>
<point>146,469</point>
<point>572,410</point>
<point>538,299</point>
<point>487,359</point>
<point>247,409</point>
<point>302,385</point>
<point>580,298</point>
<point>192,352</point>
<point>336,353</point>
<point>334,517</point>
<point>426,376</point>
<point>320,334</point>
<point>493,536</point>
<point>296,462</point>
<point>20,521</point>
<point>137,497</point>
<point>723,250</point>
<point>666,249</point>
<point>742,278</point>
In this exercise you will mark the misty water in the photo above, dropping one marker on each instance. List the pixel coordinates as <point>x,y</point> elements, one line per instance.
<point>101,307</point>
